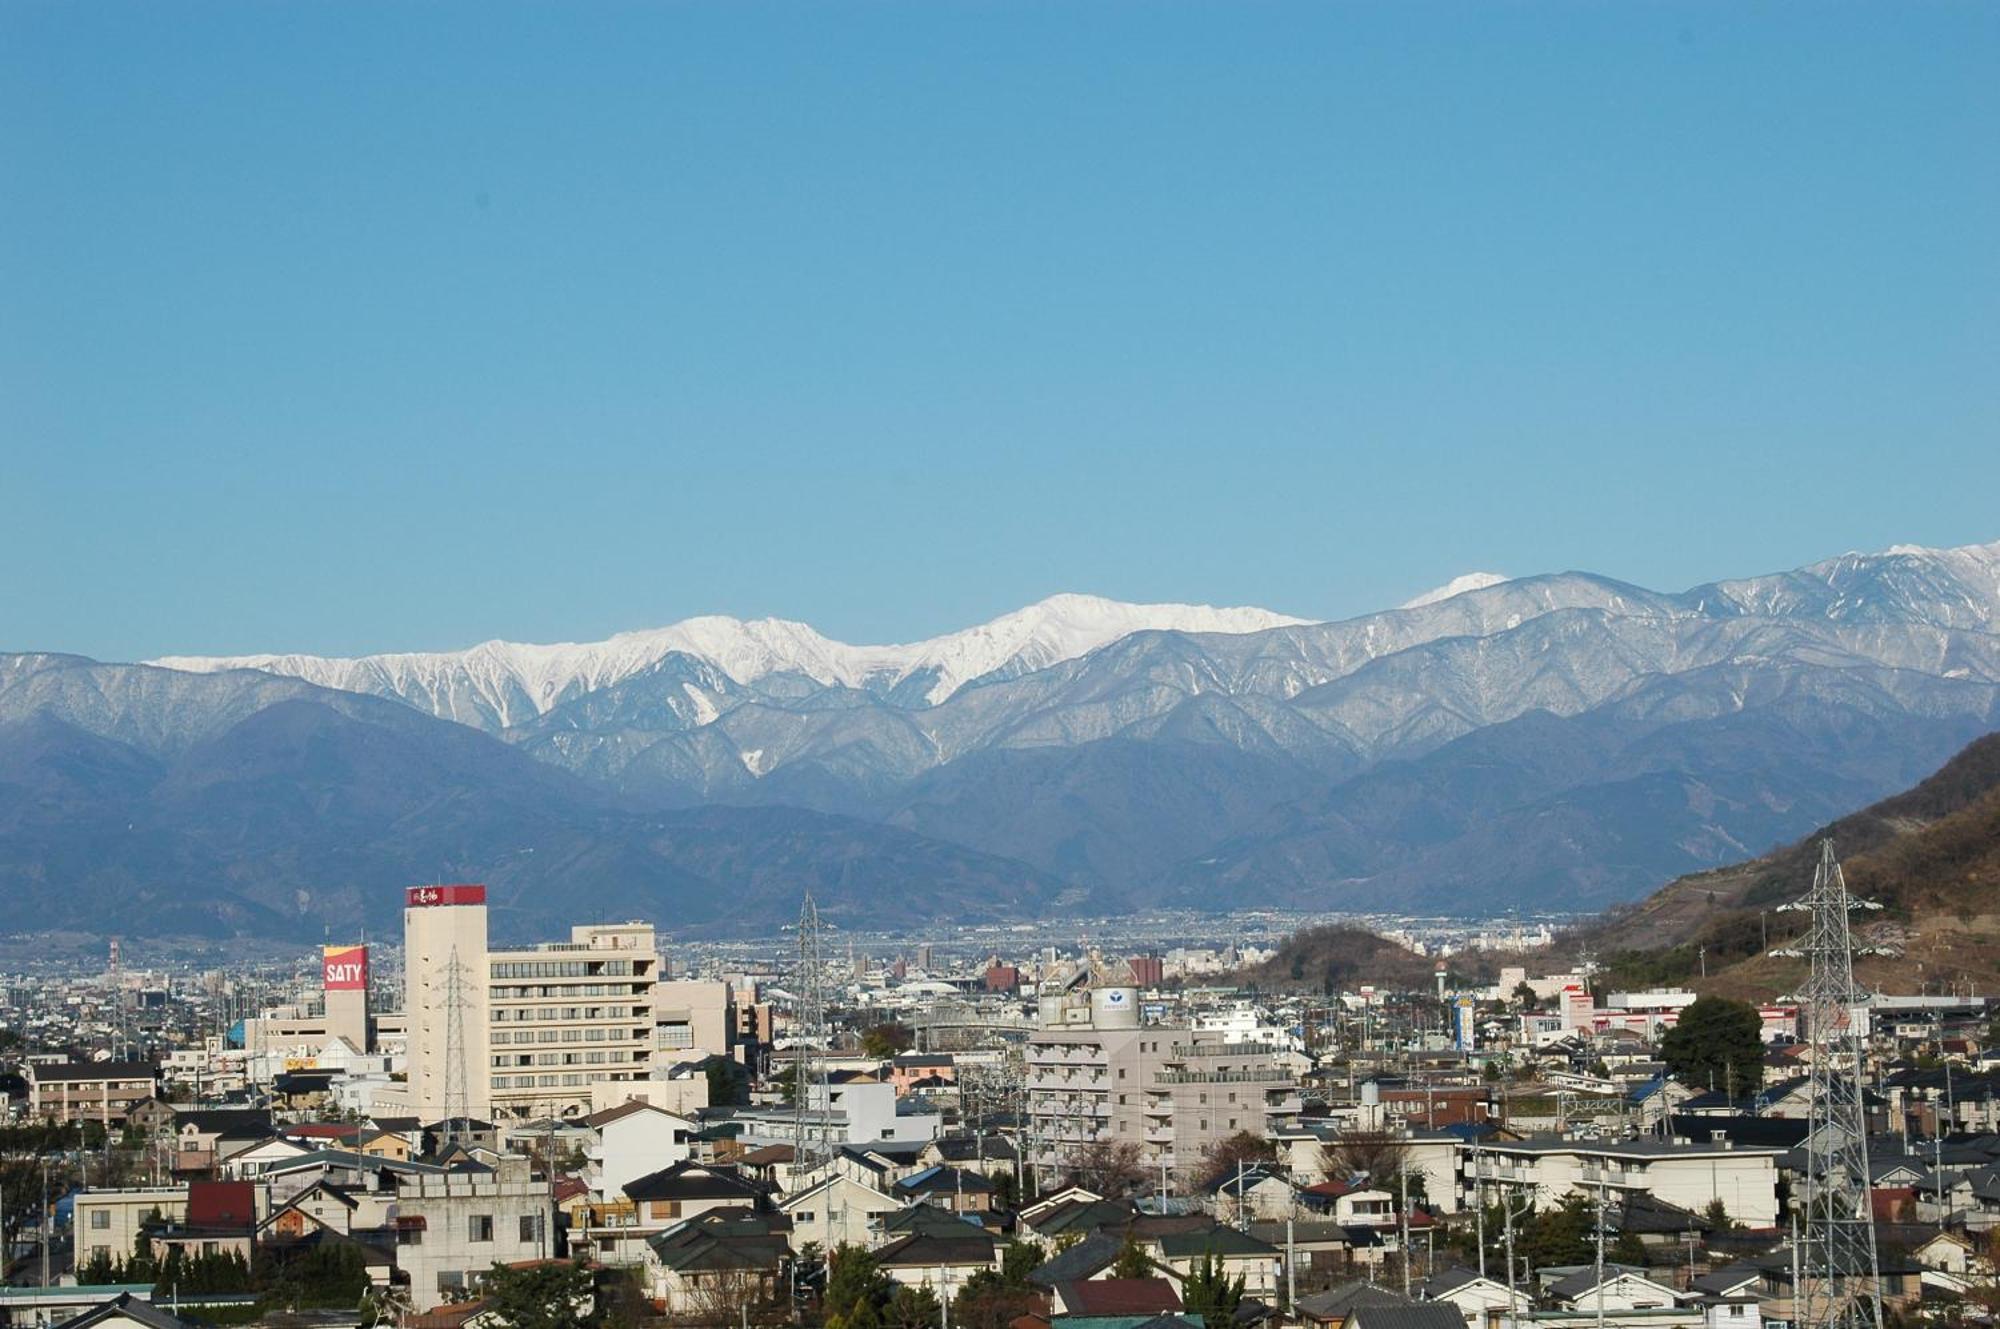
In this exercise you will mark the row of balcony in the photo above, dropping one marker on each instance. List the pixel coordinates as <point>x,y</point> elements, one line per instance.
<point>1270,1075</point>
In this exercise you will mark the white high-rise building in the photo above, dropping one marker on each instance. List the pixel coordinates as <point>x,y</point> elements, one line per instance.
<point>445,1001</point>
<point>527,1031</point>
<point>566,1015</point>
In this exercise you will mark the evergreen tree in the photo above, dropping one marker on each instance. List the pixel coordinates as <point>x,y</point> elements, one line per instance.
<point>1717,1043</point>
<point>1209,1292</point>
<point>540,1296</point>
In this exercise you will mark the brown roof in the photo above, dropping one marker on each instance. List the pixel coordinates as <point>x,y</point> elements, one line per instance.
<point>625,1109</point>
<point>1119,1296</point>
<point>446,1317</point>
<point>768,1155</point>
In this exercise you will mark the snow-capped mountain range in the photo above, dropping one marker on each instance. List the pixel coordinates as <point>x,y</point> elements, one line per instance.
<point>498,684</point>
<point>1561,739</point>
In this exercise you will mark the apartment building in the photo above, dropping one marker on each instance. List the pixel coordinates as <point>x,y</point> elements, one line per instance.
<point>101,1091</point>
<point>1683,1172</point>
<point>1095,1074</point>
<point>1202,1091</point>
<point>565,1015</point>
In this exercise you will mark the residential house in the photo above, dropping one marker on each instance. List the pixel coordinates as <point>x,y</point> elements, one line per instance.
<point>1424,1315</point>
<point>633,1140</point>
<point>1475,1296</point>
<point>1260,1191</point>
<point>106,1223</point>
<point>956,1189</point>
<point>221,1219</point>
<point>925,1069</point>
<point>1097,1298</point>
<point>1622,1289</point>
<point>940,1256</point>
<point>126,1311</point>
<point>836,1211</point>
<point>1258,1263</point>
<point>718,1263</point>
<point>1332,1308</point>
<point>452,1227</point>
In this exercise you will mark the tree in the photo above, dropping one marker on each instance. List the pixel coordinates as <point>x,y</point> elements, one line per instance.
<point>1378,1155</point>
<point>1006,1189</point>
<point>538,1296</point>
<point>857,1291</point>
<point>1222,1157</point>
<point>1717,1216</point>
<point>1018,1259</point>
<point>725,1296</point>
<point>887,1040</point>
<point>1717,1044</point>
<point>1131,1262</point>
<point>1108,1167</point>
<point>911,1308</point>
<point>1209,1291</point>
<point>728,1082</point>
<point>991,1300</point>
<point>1566,1233</point>
<point>1628,1250</point>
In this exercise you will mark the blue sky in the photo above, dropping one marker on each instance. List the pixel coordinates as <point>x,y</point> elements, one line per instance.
<point>337,327</point>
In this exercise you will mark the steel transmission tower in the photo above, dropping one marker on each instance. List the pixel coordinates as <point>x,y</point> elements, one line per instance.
<point>1839,1280</point>
<point>811,1125</point>
<point>457,1094</point>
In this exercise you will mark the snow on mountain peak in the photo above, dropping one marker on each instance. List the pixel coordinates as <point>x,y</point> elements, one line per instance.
<point>1459,585</point>
<point>497,684</point>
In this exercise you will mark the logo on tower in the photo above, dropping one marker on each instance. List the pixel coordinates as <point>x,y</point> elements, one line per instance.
<point>344,968</point>
<point>425,897</point>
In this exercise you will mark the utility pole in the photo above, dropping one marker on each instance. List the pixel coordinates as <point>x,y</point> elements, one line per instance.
<point>1291,1266</point>
<point>1841,1286</point>
<point>1403,1218</point>
<point>1600,1244</point>
<point>1479,1201</point>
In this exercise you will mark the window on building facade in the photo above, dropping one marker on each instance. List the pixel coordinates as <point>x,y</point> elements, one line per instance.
<point>479,1227</point>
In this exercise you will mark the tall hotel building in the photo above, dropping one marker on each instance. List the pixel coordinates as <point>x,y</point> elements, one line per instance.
<point>570,1014</point>
<point>522,1032</point>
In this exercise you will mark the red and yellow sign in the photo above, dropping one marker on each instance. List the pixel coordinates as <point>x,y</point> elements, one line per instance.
<point>344,968</point>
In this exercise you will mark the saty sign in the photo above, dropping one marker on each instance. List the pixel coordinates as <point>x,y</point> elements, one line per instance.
<point>345,968</point>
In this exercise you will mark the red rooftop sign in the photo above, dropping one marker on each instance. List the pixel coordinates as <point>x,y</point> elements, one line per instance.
<point>344,968</point>
<point>423,897</point>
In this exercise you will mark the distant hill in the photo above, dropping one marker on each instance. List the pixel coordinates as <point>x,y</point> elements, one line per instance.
<point>1562,741</point>
<point>1325,959</point>
<point>150,801</point>
<point>1929,855</point>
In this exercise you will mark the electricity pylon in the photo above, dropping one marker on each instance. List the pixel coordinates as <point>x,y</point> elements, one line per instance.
<point>812,1125</point>
<point>1839,1279</point>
